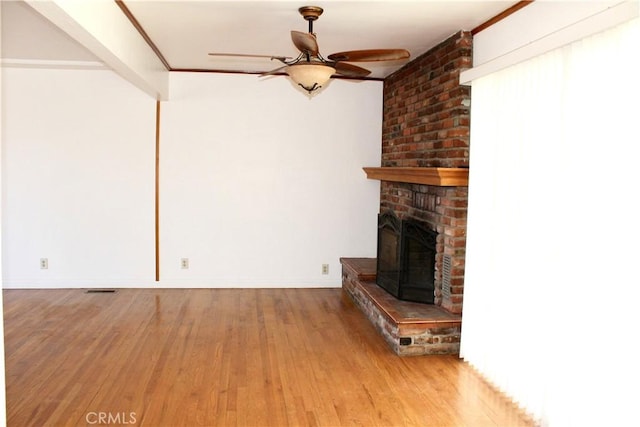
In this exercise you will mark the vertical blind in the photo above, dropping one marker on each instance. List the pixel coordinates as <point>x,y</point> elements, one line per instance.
<point>552,287</point>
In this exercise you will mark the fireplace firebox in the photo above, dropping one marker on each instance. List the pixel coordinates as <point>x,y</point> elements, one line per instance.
<point>406,258</point>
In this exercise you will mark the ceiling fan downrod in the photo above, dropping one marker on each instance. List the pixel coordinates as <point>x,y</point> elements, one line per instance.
<point>310,14</point>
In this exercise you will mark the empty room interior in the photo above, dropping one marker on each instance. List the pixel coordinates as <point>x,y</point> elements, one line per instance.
<point>282,213</point>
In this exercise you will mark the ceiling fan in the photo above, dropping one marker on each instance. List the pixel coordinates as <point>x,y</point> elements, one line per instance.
<point>310,69</point>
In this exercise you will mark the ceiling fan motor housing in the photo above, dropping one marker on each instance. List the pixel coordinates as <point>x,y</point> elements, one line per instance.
<point>310,13</point>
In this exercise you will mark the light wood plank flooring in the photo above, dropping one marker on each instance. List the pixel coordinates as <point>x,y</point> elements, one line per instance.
<point>225,357</point>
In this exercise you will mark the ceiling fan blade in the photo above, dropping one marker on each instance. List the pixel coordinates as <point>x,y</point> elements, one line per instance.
<point>370,55</point>
<point>350,70</point>
<point>305,42</point>
<point>273,72</point>
<point>246,55</point>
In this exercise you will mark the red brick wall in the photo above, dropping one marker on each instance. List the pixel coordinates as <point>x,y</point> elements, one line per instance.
<point>426,124</point>
<point>426,111</point>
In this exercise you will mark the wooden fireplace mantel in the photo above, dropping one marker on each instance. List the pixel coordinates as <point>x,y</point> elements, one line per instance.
<point>442,177</point>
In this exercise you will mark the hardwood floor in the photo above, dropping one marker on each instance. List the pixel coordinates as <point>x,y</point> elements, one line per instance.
<point>208,357</point>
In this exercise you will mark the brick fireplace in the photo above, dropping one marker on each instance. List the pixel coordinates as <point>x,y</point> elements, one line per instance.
<point>426,131</point>
<point>426,124</point>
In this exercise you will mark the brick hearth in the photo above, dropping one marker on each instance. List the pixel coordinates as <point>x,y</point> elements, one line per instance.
<point>409,328</point>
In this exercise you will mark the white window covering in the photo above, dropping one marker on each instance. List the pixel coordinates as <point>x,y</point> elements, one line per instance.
<point>552,292</point>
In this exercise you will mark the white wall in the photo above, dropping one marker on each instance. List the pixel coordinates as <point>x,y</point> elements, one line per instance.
<point>260,185</point>
<point>77,187</point>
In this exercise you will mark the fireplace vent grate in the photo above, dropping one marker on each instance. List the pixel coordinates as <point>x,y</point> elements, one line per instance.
<point>446,276</point>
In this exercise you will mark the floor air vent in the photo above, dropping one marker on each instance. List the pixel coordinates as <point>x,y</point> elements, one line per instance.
<point>101,291</point>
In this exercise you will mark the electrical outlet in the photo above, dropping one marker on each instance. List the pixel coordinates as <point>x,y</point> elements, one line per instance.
<point>44,263</point>
<point>184,263</point>
<point>325,268</point>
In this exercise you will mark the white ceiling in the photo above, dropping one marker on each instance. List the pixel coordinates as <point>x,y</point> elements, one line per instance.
<point>186,31</point>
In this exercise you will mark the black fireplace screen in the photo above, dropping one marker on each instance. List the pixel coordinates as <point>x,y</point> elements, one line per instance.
<point>406,258</point>
<point>388,261</point>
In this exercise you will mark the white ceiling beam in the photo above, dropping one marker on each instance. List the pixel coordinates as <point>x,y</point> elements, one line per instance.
<point>505,43</point>
<point>102,28</point>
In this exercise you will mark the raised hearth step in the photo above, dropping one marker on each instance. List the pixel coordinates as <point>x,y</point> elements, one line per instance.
<point>409,328</point>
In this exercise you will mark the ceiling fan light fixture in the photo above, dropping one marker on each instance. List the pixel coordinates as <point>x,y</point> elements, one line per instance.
<point>310,76</point>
